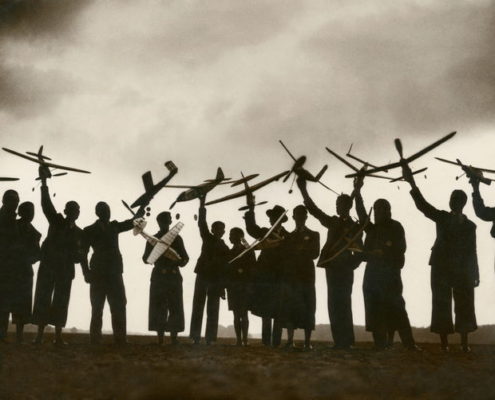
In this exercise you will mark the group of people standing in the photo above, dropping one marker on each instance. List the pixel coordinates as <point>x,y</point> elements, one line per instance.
<point>278,286</point>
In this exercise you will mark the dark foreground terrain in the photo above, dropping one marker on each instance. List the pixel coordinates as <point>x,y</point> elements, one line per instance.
<point>142,370</point>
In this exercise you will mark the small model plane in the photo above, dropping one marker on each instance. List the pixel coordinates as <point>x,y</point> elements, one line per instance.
<point>407,160</point>
<point>250,198</point>
<point>253,188</point>
<point>256,244</point>
<point>150,188</point>
<point>363,170</point>
<point>161,246</point>
<point>45,162</point>
<point>197,191</point>
<point>470,171</point>
<point>298,170</point>
<point>350,155</point>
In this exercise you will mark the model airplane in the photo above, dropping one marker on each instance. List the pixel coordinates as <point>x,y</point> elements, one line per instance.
<point>470,171</point>
<point>407,160</point>
<point>45,162</point>
<point>359,159</point>
<point>161,246</point>
<point>201,190</point>
<point>363,170</point>
<point>298,170</point>
<point>250,200</point>
<point>253,188</point>
<point>150,188</point>
<point>258,242</point>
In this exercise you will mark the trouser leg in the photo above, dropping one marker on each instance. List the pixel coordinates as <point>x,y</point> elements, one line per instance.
<point>97,294</point>
<point>212,310</point>
<point>117,301</point>
<point>199,300</point>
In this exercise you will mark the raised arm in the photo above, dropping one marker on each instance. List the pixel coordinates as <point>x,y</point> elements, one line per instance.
<point>483,212</point>
<point>313,209</point>
<point>46,201</point>
<point>203,226</point>
<point>421,204</point>
<point>358,199</point>
<point>252,228</point>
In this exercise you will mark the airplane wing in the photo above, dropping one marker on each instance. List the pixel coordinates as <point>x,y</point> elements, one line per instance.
<point>401,178</point>
<point>8,179</point>
<point>251,188</point>
<point>47,164</point>
<point>455,163</point>
<point>341,159</point>
<point>148,181</point>
<point>165,242</point>
<point>180,186</point>
<point>410,158</point>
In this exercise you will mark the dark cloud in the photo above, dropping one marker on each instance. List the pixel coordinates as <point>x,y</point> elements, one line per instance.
<point>416,70</point>
<point>38,19</point>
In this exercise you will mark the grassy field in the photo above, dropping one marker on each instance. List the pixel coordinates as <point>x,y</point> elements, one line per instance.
<point>143,370</point>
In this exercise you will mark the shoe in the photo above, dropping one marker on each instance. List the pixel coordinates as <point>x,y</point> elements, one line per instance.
<point>414,347</point>
<point>289,346</point>
<point>466,349</point>
<point>245,344</point>
<point>445,349</point>
<point>60,342</point>
<point>308,347</point>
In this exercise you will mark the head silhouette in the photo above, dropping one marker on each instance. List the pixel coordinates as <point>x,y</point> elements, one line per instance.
<point>218,229</point>
<point>102,211</point>
<point>236,235</point>
<point>343,205</point>
<point>164,219</point>
<point>71,211</point>
<point>300,215</point>
<point>275,213</point>
<point>458,200</point>
<point>382,211</point>
<point>10,200</point>
<point>26,211</point>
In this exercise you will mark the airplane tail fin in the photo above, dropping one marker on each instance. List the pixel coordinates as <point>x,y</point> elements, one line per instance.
<point>220,175</point>
<point>350,149</point>
<point>320,174</point>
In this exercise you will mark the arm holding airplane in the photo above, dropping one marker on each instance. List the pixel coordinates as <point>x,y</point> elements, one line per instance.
<point>360,209</point>
<point>483,212</point>
<point>325,220</point>
<point>46,202</point>
<point>421,204</point>
<point>128,224</point>
<point>203,226</point>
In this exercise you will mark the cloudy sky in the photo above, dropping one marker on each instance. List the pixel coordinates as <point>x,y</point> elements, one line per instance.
<point>120,87</point>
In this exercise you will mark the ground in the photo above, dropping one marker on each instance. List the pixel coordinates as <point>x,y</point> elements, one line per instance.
<point>143,370</point>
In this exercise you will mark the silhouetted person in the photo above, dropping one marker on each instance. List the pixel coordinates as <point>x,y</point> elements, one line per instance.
<point>60,250</point>
<point>9,248</point>
<point>268,273</point>
<point>210,270</point>
<point>483,212</point>
<point>298,296</point>
<point>105,272</point>
<point>239,276</point>
<point>384,250</point>
<point>340,271</point>
<point>29,254</point>
<point>454,265</point>
<point>166,307</point>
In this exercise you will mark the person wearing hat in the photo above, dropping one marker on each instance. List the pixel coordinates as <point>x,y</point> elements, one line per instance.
<point>268,272</point>
<point>209,285</point>
<point>340,271</point>
<point>298,293</point>
<point>166,306</point>
<point>454,265</point>
<point>384,253</point>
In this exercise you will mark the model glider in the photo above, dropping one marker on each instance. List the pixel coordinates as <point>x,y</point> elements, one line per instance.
<point>406,160</point>
<point>258,242</point>
<point>298,170</point>
<point>201,190</point>
<point>253,188</point>
<point>470,171</point>
<point>45,162</point>
<point>150,188</point>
